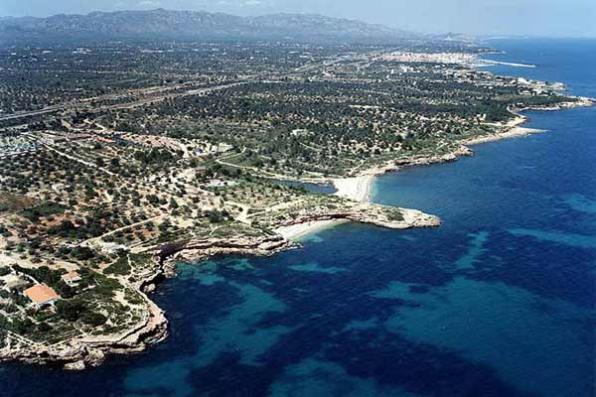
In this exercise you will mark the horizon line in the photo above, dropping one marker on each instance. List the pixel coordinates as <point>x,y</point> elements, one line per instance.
<point>478,36</point>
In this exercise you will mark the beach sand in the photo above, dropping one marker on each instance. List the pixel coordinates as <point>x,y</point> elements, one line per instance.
<point>359,188</point>
<point>296,232</point>
<point>356,188</point>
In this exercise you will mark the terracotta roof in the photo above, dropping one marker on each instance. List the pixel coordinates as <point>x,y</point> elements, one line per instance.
<point>41,294</point>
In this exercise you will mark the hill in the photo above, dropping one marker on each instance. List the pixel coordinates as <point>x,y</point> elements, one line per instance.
<point>168,24</point>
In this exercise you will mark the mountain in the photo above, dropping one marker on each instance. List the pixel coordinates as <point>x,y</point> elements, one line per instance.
<point>162,23</point>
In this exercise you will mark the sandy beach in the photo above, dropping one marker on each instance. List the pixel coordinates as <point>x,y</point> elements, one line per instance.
<point>296,232</point>
<point>357,188</point>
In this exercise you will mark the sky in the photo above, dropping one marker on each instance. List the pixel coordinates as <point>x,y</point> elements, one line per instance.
<point>549,18</point>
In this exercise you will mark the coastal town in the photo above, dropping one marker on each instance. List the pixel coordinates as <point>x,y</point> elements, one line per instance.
<point>110,175</point>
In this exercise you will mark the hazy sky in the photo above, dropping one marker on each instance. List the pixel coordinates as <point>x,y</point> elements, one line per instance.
<point>494,17</point>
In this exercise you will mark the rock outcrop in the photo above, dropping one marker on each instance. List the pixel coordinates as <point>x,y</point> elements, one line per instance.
<point>197,249</point>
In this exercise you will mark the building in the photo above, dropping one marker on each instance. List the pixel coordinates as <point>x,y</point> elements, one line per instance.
<point>41,295</point>
<point>71,278</point>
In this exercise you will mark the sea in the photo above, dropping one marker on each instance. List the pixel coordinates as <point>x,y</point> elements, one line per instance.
<point>498,301</point>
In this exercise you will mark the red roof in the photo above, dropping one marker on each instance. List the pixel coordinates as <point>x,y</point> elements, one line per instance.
<point>41,294</point>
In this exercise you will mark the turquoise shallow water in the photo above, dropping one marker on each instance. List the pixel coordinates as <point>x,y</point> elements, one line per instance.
<point>499,301</point>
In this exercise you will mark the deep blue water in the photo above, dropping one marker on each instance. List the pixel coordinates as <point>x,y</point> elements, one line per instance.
<point>569,61</point>
<point>499,301</point>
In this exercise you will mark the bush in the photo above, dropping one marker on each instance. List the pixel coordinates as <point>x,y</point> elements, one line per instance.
<point>93,319</point>
<point>215,216</point>
<point>46,209</point>
<point>70,310</point>
<point>83,253</point>
<point>120,267</point>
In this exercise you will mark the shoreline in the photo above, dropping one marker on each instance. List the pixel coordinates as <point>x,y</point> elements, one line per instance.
<point>357,188</point>
<point>511,129</point>
<point>516,132</point>
<point>82,352</point>
<point>353,187</point>
<point>301,230</point>
<point>484,62</point>
<point>79,353</point>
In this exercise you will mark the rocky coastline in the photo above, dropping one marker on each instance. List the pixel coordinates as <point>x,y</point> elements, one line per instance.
<point>86,351</point>
<point>510,130</point>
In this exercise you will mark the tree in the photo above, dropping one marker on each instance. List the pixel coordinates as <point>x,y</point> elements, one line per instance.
<point>93,319</point>
<point>70,310</point>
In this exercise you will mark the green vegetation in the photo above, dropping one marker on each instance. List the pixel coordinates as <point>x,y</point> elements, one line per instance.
<point>151,146</point>
<point>41,211</point>
<point>120,267</point>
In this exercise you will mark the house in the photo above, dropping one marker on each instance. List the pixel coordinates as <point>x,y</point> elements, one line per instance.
<point>71,278</point>
<point>41,295</point>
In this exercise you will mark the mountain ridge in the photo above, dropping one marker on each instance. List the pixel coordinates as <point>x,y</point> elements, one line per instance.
<point>193,24</point>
